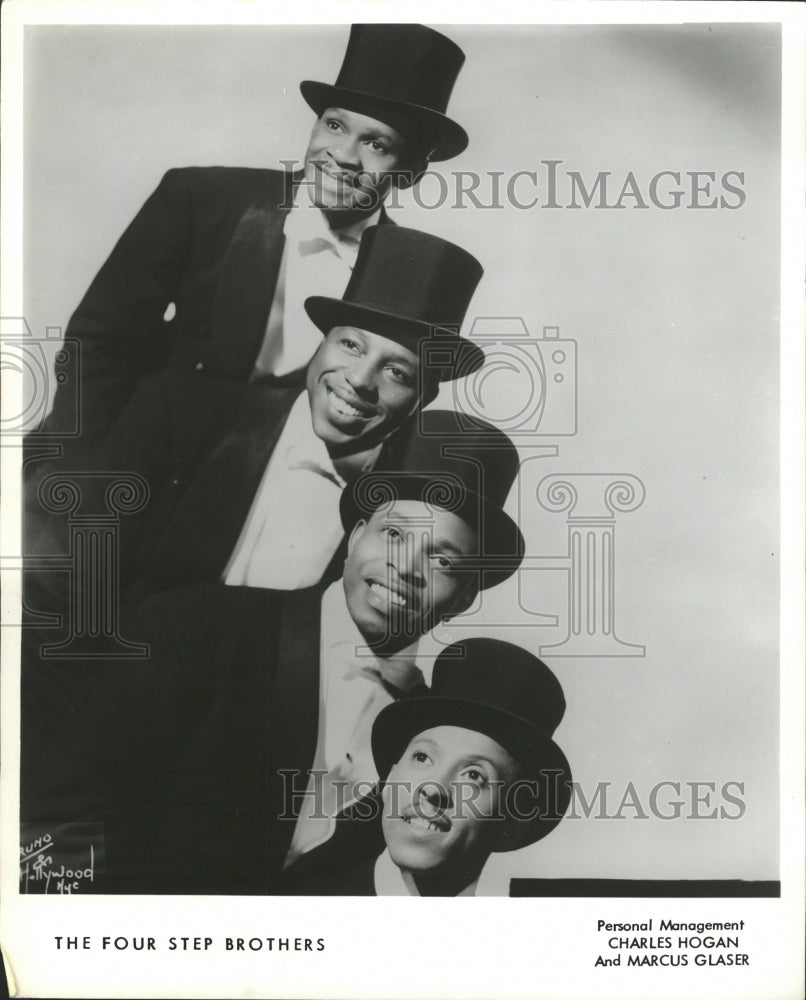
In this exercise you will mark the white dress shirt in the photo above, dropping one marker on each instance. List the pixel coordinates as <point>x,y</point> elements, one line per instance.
<point>315,261</point>
<point>293,527</point>
<point>392,881</point>
<point>354,685</point>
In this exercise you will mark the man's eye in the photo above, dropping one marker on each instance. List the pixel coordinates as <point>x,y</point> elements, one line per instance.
<point>420,756</point>
<point>333,125</point>
<point>400,375</point>
<point>377,147</point>
<point>441,562</point>
<point>351,345</point>
<point>392,532</point>
<point>476,776</point>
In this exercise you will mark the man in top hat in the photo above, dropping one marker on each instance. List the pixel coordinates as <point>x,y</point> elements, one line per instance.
<point>244,489</point>
<point>211,275</point>
<point>228,755</point>
<point>245,479</point>
<point>468,768</point>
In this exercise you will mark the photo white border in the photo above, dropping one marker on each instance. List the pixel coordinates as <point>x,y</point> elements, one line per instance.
<point>514,955</point>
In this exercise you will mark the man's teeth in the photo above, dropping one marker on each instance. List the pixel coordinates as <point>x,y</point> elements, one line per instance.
<point>344,408</point>
<point>388,595</point>
<point>421,823</point>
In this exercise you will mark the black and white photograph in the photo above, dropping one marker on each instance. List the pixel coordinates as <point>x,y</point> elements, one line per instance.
<point>402,497</point>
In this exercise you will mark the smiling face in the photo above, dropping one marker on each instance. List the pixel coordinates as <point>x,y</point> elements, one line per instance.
<point>362,387</point>
<point>351,161</point>
<point>443,804</point>
<point>402,573</point>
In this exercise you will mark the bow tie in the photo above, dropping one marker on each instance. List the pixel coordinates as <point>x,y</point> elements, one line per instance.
<point>299,457</point>
<point>315,244</point>
<point>310,232</point>
<point>346,249</point>
<point>371,674</point>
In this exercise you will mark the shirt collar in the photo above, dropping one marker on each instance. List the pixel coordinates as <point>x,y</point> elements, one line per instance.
<point>307,228</point>
<point>305,450</point>
<point>391,881</point>
<point>352,233</point>
<point>340,632</point>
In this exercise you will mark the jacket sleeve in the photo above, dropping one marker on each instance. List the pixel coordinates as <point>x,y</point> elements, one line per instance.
<point>120,323</point>
<point>138,450</point>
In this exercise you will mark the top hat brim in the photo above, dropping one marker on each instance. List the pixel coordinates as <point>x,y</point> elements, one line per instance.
<point>457,355</point>
<point>503,543</point>
<point>451,139</point>
<point>539,757</point>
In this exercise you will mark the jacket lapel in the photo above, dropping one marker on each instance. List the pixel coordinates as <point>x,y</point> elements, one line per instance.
<point>293,717</point>
<point>207,522</point>
<point>248,280</point>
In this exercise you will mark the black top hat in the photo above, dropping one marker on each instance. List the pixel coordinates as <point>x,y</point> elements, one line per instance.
<point>402,74</point>
<point>409,286</point>
<point>509,695</point>
<point>471,477</point>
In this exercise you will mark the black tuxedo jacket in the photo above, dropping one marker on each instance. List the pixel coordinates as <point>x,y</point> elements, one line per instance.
<point>354,881</point>
<point>228,705</point>
<point>188,286</point>
<point>179,755</point>
<point>210,745</point>
<point>202,447</point>
<point>194,761</point>
<point>345,864</point>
